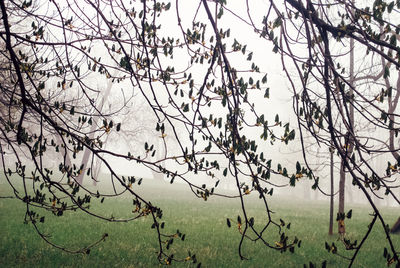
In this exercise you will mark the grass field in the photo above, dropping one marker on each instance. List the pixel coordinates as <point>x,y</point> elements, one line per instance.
<point>204,223</point>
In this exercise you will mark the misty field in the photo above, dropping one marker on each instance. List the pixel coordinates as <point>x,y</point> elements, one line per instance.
<point>134,244</point>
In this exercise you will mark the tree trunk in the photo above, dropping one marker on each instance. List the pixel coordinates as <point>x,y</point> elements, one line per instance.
<point>396,227</point>
<point>341,226</point>
<point>67,160</point>
<point>95,120</point>
<point>331,197</point>
<point>96,171</point>
<point>84,161</point>
<point>349,144</point>
<point>349,191</point>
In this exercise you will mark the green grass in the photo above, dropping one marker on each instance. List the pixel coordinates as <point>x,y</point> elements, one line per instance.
<point>134,244</point>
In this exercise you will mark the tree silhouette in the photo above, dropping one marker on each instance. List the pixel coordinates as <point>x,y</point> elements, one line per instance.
<point>199,83</point>
<point>325,90</point>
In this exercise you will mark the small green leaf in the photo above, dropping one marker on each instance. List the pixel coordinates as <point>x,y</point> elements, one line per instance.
<point>387,72</point>
<point>220,13</point>
<point>393,40</point>
<point>186,108</point>
<point>250,56</point>
<point>327,247</point>
<point>264,79</point>
<point>251,221</point>
<point>349,214</point>
<point>266,95</point>
<point>298,167</point>
<point>277,22</point>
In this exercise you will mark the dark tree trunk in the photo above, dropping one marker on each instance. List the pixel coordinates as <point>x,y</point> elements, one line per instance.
<point>348,144</point>
<point>331,197</point>
<point>396,227</point>
<point>341,226</point>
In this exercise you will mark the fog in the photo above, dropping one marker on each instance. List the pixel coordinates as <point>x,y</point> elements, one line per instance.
<point>139,107</point>
<point>280,102</point>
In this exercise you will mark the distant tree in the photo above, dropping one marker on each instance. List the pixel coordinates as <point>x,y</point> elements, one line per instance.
<point>202,85</point>
<point>314,39</point>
